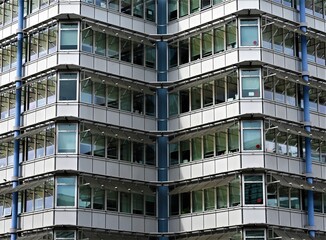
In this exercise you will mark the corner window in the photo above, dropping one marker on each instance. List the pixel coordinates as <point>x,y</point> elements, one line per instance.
<point>255,234</point>
<point>67,138</point>
<point>69,36</point>
<point>250,80</point>
<point>252,135</point>
<point>253,190</point>
<point>65,235</point>
<point>66,191</point>
<point>249,32</point>
<point>67,86</point>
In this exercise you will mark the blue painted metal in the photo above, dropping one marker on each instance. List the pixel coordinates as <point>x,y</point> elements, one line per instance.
<point>20,39</point>
<point>305,77</point>
<point>162,141</point>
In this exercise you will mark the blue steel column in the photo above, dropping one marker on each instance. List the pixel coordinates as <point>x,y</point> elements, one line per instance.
<point>162,141</point>
<point>305,77</point>
<point>14,208</point>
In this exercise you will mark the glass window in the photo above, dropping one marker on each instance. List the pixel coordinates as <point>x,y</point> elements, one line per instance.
<point>125,99</point>
<point>174,204</point>
<point>173,55</point>
<point>30,148</point>
<point>184,51</point>
<point>207,41</point>
<point>67,137</point>
<point>113,47</point>
<point>267,34</point>
<point>138,204</point>
<point>138,56</point>
<point>68,36</point>
<point>113,96</point>
<point>98,198</point>
<point>197,201</point>
<point>112,148</point>
<point>219,39</point>
<point>150,10</point>
<point>101,3</point>
<point>126,6</point>
<point>253,189</point>
<point>278,39</point>
<point>150,205</point>
<point>99,146</point>
<point>250,80</point>
<point>208,94</point>
<point>272,198</point>
<point>196,148</point>
<point>219,90</point>
<point>209,199</point>
<point>232,86</point>
<point>231,35</point>
<point>195,47</point>
<point>194,6</point>
<point>99,94</point>
<point>173,104</point>
<point>150,105</point>
<point>183,8</point>
<point>125,150</point>
<point>112,201</point>
<point>284,197</point>
<point>249,32</point>
<point>66,188</point>
<point>234,192</point>
<point>87,38</point>
<point>184,101</point>
<point>221,143</point>
<point>85,193</point>
<point>48,193</point>
<point>233,138</point>
<point>67,86</point>
<point>114,5</point>
<point>125,50</point>
<point>138,102</point>
<point>139,8</point>
<point>174,153</point>
<point>100,43</point>
<point>185,151</point>
<point>222,196</point>
<point>254,235</point>
<point>150,154</point>
<point>65,235</point>
<point>195,98</point>
<point>281,139</point>
<point>173,13</point>
<point>295,198</point>
<point>86,91</point>
<point>125,202</point>
<point>252,135</point>
<point>52,38</point>
<point>208,146</point>
<point>150,54</point>
<point>138,152</point>
<point>29,203</point>
<point>33,46</point>
<point>288,42</point>
<point>185,202</point>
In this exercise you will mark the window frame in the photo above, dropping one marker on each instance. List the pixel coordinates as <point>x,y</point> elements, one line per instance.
<point>60,35</point>
<point>76,138</point>
<point>250,76</point>
<point>263,204</point>
<point>248,25</point>
<point>261,135</point>
<point>75,191</point>
<point>77,94</point>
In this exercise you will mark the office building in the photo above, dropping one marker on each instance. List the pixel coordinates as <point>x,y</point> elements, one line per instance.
<point>162,119</point>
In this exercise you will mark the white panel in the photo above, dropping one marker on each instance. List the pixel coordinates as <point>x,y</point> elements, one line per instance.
<point>221,165</point>
<point>314,119</point>
<point>138,122</point>
<point>248,4</point>
<point>208,115</point>
<point>206,16</point>
<point>71,58</point>
<point>184,72</point>
<point>283,164</point>
<point>317,170</point>
<point>233,162</point>
<point>66,162</point>
<point>150,174</point>
<point>280,111</point>
<point>112,117</point>
<point>74,8</point>
<point>322,122</point>
<point>272,217</point>
<point>209,220</point>
<point>269,108</point>
<point>49,165</point>
<point>100,64</point>
<point>285,218</point>
<point>125,171</point>
<point>63,217</point>
<point>251,107</point>
<point>87,11</point>
<point>113,67</point>
<point>42,65</point>
<point>195,69</point>
<point>125,70</point>
<point>319,222</point>
<point>270,162</point>
<point>230,7</point>
<point>294,166</point>
<point>185,172</point>
<point>31,68</point>
<point>197,170</point>
<point>138,25</point>
<point>150,76</point>
<point>30,118</point>
<point>40,115</point>
<point>48,218</point>
<point>53,10</point>
<point>99,114</point>
<point>183,24</point>
<point>113,18</point>
<point>138,224</point>
<point>222,219</point>
<point>277,10</point>
<point>28,169</point>
<point>112,169</point>
<point>292,114</point>
<point>185,223</point>
<point>279,60</point>
<point>173,75</point>
<point>39,167</point>
<point>85,164</point>
<point>194,20</point>
<point>150,225</point>
<point>312,69</point>
<point>196,118</point>
<point>174,225</point>
<point>138,173</point>
<point>208,167</point>
<point>112,222</point>
<point>267,56</point>
<point>138,73</point>
<point>27,222</point>
<point>174,174</point>
<point>126,22</point>
<point>125,223</point>
<point>174,124</point>
<point>99,167</point>
<point>87,61</point>
<point>252,161</point>
<point>290,14</point>
<point>253,215</point>
<point>125,119</point>
<point>67,110</point>
<point>207,65</point>
<point>184,121</point>
<point>290,64</point>
<point>52,60</point>
<point>84,219</point>
<point>296,220</point>
<point>249,54</point>
<point>150,124</point>
<point>232,109</point>
<point>197,222</point>
<point>231,58</point>
<point>100,14</point>
<point>235,217</point>
<point>98,220</point>
<point>321,73</point>
<point>86,112</point>
<point>2,226</point>
<point>37,220</point>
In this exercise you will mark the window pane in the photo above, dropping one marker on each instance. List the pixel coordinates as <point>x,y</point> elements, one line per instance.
<point>100,43</point>
<point>112,201</point>
<point>125,150</point>
<point>150,105</point>
<point>125,50</point>
<point>99,146</point>
<point>138,57</point>
<point>183,51</point>
<point>138,152</point>
<point>126,6</point>
<point>197,201</point>
<point>196,149</point>
<point>234,193</point>
<point>174,153</point>
<point>150,154</point>
<point>113,47</point>
<point>185,151</point>
<point>207,40</point>
<point>184,101</point>
<point>195,98</point>
<point>138,204</point>
<point>67,138</point>
<point>48,194</point>
<point>185,203</point>
<point>150,56</point>
<point>125,99</point>
<point>150,10</point>
<point>208,94</point>
<point>68,86</point>
<point>272,199</point>
<point>112,148</point>
<point>139,8</point>
<point>195,47</point>
<point>138,102</point>
<point>208,146</point>
<point>253,193</point>
<point>69,36</point>
<point>284,197</point>
<point>113,96</point>
<point>249,32</point>
<point>125,202</point>
<point>209,199</point>
<point>66,191</point>
<point>99,94</point>
<point>150,205</point>
<point>98,198</point>
<point>233,138</point>
<point>173,14</point>
<point>295,198</point>
<point>84,196</point>
<point>173,104</point>
<point>86,91</point>
<point>250,83</point>
<point>173,55</point>
<point>174,205</point>
<point>220,143</point>
<point>183,8</point>
<point>231,35</point>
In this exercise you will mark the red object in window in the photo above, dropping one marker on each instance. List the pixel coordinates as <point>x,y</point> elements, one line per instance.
<point>258,146</point>
<point>255,43</point>
<point>259,200</point>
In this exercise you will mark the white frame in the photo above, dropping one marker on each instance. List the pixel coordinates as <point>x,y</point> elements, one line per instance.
<point>250,229</point>
<point>59,36</point>
<point>263,191</point>
<point>258,32</point>
<point>260,83</point>
<point>56,192</point>
<point>59,79</point>
<point>57,138</point>
<point>261,135</point>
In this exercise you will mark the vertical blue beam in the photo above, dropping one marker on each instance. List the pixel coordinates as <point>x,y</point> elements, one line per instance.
<point>20,39</point>
<point>305,77</point>
<point>162,141</point>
